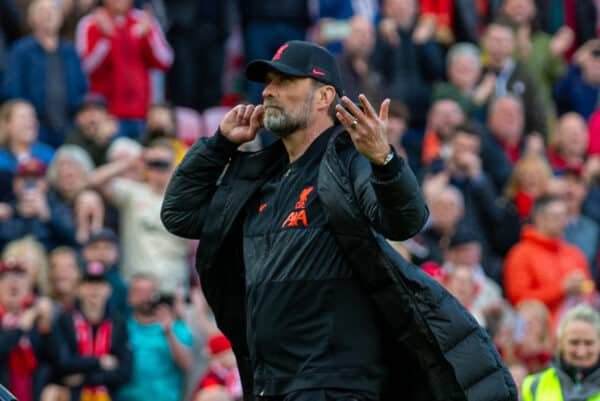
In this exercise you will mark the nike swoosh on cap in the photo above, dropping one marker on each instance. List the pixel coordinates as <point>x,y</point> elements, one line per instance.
<point>317,72</point>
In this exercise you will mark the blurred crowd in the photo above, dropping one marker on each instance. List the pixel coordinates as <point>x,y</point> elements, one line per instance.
<point>494,104</point>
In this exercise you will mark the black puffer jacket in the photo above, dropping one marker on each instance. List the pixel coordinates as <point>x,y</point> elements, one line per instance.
<point>437,352</point>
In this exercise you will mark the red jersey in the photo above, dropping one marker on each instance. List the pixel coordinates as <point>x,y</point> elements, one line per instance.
<point>118,64</point>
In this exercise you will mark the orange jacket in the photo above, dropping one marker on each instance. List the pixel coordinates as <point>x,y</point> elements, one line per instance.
<point>536,267</point>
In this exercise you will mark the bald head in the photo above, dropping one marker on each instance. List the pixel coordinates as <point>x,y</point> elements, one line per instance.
<point>45,17</point>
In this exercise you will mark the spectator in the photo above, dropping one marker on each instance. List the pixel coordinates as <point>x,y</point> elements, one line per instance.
<point>103,246</point>
<point>160,342</point>
<point>161,122</point>
<point>574,373</point>
<point>64,276</point>
<point>542,266</point>
<point>512,77</point>
<point>568,150</point>
<point>446,205</point>
<point>444,117</point>
<point>266,25</point>
<point>531,178</point>
<point>357,74</point>
<point>125,149</point>
<point>578,89</point>
<point>465,83</point>
<point>147,245</point>
<point>47,72</point>
<point>222,370</point>
<point>460,282</point>
<point>198,31</point>
<point>68,174</point>
<point>90,214</point>
<point>93,352</point>
<point>36,214</point>
<point>31,255</point>
<point>119,46</point>
<point>407,57</point>
<point>20,136</point>
<point>94,128</point>
<point>541,53</point>
<point>25,326</point>
<point>535,344</point>
<point>581,231</point>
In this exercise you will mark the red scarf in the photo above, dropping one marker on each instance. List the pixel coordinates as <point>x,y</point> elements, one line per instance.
<point>87,345</point>
<point>21,360</point>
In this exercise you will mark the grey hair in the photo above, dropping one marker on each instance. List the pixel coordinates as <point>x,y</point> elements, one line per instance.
<point>496,99</point>
<point>124,143</point>
<point>464,49</point>
<point>73,153</point>
<point>582,313</point>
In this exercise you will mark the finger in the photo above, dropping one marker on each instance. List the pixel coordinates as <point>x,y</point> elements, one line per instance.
<point>384,110</point>
<point>369,110</point>
<point>248,113</point>
<point>344,117</point>
<point>256,118</point>
<point>239,113</point>
<point>353,109</point>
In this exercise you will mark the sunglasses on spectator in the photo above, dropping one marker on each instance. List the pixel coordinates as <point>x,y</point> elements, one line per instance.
<point>157,164</point>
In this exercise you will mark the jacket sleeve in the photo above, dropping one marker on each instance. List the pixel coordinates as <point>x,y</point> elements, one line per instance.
<point>92,46</point>
<point>193,185</point>
<point>389,197</point>
<point>157,52</point>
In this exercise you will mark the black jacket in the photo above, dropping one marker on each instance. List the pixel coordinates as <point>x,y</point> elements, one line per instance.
<point>436,349</point>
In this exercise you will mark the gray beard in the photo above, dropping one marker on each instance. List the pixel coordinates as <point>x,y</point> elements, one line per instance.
<point>282,124</point>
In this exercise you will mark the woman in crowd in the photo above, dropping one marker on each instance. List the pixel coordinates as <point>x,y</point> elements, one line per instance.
<point>575,373</point>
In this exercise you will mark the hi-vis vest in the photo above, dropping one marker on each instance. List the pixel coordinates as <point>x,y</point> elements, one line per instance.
<point>545,386</point>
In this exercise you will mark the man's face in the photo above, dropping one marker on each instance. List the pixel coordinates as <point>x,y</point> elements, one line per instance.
<point>90,119</point>
<point>142,292</point>
<point>103,251</point>
<point>498,44</point>
<point>580,345</point>
<point>159,166</point>
<point>575,192</point>
<point>464,71</point>
<point>446,211</point>
<point>468,254</point>
<point>445,116</point>
<point>519,11</point>
<point>45,16</point>
<point>288,103</point>
<point>463,144</point>
<point>572,136</point>
<point>64,273</point>
<point>72,178</point>
<point>552,219</point>
<point>14,287</point>
<point>118,7</point>
<point>22,124</point>
<point>160,120</point>
<point>461,284</point>
<point>507,121</point>
<point>361,39</point>
<point>400,10</point>
<point>94,292</point>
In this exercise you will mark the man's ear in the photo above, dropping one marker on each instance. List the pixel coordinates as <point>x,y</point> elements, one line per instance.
<point>326,95</point>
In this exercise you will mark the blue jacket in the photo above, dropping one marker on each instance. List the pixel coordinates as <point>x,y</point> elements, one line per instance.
<point>25,75</point>
<point>573,93</point>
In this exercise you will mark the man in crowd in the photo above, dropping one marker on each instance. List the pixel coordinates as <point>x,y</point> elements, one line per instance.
<point>119,45</point>
<point>161,345</point>
<point>543,266</point>
<point>289,248</point>
<point>47,72</point>
<point>93,355</point>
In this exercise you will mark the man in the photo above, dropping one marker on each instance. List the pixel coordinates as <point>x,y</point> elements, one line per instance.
<point>146,245</point>
<point>571,144</point>
<point>542,266</point>
<point>443,118</point>
<point>161,345</point>
<point>511,76</point>
<point>64,275</point>
<point>34,213</point>
<point>46,71</point>
<point>103,246</point>
<point>91,344</point>
<point>119,46</point>
<point>289,258</point>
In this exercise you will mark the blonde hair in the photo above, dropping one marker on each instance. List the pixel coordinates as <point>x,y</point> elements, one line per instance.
<point>6,112</point>
<point>533,161</point>
<point>22,250</point>
<point>582,313</point>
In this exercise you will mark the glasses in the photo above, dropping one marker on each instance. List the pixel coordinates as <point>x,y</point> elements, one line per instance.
<point>157,164</point>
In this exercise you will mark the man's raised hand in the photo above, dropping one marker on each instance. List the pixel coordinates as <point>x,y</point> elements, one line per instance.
<point>367,129</point>
<point>241,123</point>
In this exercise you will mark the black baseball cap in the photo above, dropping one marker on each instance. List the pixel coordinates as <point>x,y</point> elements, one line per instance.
<point>299,59</point>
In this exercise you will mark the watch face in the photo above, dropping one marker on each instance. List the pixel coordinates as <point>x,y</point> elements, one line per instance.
<point>388,158</point>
